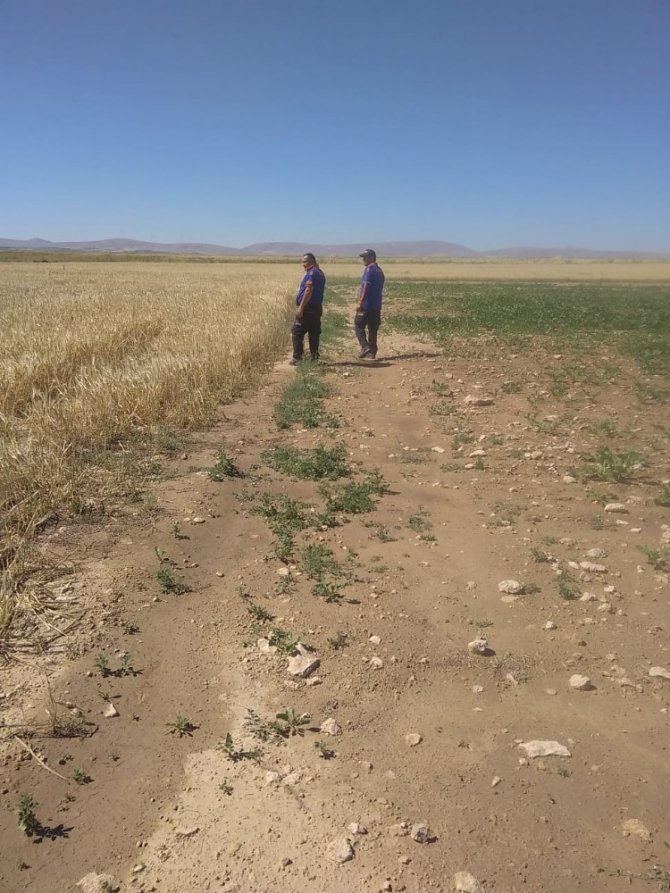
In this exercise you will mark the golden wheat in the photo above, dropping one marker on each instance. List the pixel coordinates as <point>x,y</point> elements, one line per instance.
<point>95,355</point>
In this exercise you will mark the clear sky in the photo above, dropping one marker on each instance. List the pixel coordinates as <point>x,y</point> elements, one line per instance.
<point>491,123</point>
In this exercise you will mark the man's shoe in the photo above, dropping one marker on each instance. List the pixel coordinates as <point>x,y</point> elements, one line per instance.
<point>364,353</point>
<point>295,361</point>
<point>314,357</point>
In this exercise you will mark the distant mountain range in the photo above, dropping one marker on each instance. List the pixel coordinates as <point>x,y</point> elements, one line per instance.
<point>282,249</point>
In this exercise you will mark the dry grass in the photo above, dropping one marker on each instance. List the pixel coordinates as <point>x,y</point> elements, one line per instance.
<point>504,269</point>
<point>95,357</point>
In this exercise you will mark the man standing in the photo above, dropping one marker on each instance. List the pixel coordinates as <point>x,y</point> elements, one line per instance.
<point>369,307</point>
<point>309,301</point>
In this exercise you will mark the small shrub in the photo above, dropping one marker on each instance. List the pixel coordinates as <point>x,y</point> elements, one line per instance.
<point>339,640</point>
<point>617,468</point>
<point>28,821</point>
<point>181,726</point>
<point>223,468</point>
<point>663,497</point>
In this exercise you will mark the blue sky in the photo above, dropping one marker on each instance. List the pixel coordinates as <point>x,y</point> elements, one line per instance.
<point>491,123</point>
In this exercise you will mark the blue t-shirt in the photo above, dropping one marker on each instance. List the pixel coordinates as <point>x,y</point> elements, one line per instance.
<point>318,280</point>
<point>374,277</point>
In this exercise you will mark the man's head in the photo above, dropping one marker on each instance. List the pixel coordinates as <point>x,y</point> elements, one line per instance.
<point>369,256</point>
<point>308,260</point>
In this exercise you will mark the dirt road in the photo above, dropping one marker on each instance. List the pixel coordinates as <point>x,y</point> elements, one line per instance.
<point>418,773</point>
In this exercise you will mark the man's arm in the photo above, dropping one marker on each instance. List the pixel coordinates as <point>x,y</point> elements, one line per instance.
<point>363,291</point>
<point>305,300</point>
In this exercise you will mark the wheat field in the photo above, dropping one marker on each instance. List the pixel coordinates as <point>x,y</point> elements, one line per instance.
<point>94,358</point>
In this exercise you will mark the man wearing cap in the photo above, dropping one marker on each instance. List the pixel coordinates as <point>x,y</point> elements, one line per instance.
<point>309,302</point>
<point>369,307</point>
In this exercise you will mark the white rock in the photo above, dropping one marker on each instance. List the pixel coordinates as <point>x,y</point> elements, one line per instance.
<point>265,647</point>
<point>477,689</point>
<point>110,711</point>
<point>272,778</point>
<point>550,625</point>
<point>478,646</point>
<point>374,640</point>
<point>511,587</point>
<point>98,883</point>
<point>437,449</point>
<point>186,832</point>
<point>478,401</point>
<point>302,665</point>
<point>464,882</point>
<point>580,683</point>
<point>592,568</point>
<point>356,828</point>
<point>420,832</point>
<point>330,727</point>
<point>477,453</point>
<point>537,748</point>
<point>495,781</point>
<point>283,572</point>
<point>635,828</point>
<point>659,673</point>
<point>568,479</point>
<point>376,663</point>
<point>197,520</point>
<point>596,554</point>
<point>412,739</point>
<point>340,850</point>
<point>400,830</point>
<point>616,508</point>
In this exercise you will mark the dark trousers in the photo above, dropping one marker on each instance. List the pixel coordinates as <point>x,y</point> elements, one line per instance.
<point>309,324</point>
<point>370,320</point>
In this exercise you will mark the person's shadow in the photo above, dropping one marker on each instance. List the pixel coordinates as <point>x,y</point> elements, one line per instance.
<point>385,361</point>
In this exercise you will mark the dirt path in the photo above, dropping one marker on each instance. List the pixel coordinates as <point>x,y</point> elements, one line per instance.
<point>464,511</point>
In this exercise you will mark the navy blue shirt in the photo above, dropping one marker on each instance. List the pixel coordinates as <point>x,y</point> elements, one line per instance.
<point>374,277</point>
<point>318,280</point>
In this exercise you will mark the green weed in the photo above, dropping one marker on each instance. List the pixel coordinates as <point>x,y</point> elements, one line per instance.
<point>617,468</point>
<point>657,558</point>
<point>258,612</point>
<point>339,640</point>
<point>663,497</point>
<point>329,591</point>
<point>325,752</point>
<point>285,517</point>
<point>169,582</point>
<point>459,440</point>
<point>223,468</point>
<point>603,428</point>
<point>310,465</point>
<point>290,723</point>
<point>237,755</point>
<point>181,726</point>
<point>28,821</point>
<point>302,401</point>
<point>546,425</point>
<point>356,498</point>
<point>283,641</point>
<point>318,559</point>
<point>510,387</point>
<point>81,777</point>
<point>567,586</point>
